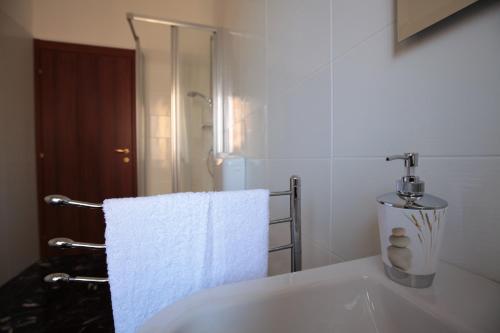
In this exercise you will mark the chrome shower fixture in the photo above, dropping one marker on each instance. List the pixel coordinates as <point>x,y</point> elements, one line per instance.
<point>194,94</point>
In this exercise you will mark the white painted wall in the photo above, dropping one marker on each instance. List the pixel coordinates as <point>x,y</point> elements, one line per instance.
<point>341,94</point>
<point>18,205</point>
<point>98,22</point>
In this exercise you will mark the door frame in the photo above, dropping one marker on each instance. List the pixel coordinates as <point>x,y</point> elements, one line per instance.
<point>38,45</point>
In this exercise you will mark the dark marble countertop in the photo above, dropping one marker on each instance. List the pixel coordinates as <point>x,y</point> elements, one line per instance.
<point>28,304</point>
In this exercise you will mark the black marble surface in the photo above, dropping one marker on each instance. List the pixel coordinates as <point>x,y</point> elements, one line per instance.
<point>28,304</point>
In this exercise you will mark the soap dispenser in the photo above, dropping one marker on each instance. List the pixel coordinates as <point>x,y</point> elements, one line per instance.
<point>411,225</point>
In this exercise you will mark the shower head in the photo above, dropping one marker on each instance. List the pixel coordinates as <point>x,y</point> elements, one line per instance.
<point>198,94</point>
<point>194,94</point>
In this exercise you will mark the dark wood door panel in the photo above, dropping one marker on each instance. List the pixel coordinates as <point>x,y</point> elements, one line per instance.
<point>58,136</point>
<point>84,110</point>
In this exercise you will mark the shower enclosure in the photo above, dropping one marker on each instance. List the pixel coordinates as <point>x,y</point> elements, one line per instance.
<point>179,114</point>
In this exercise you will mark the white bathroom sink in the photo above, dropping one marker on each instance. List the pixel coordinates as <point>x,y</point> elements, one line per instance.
<point>348,297</point>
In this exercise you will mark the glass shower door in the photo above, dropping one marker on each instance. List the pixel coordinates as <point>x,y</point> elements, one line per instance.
<point>192,109</point>
<point>179,105</point>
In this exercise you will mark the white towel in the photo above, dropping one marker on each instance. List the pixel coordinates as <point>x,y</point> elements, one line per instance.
<point>163,248</point>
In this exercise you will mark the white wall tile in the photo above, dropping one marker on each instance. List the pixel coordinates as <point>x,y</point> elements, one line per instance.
<point>298,40</point>
<point>299,121</point>
<point>243,16</point>
<point>313,255</point>
<point>315,177</point>
<point>256,173</point>
<point>245,53</point>
<point>244,59</point>
<point>470,185</point>
<point>353,21</point>
<point>316,255</point>
<point>294,119</point>
<point>279,263</point>
<point>439,95</point>
<point>356,184</point>
<point>254,144</point>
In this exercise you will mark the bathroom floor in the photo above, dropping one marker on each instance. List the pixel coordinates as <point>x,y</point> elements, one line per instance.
<point>27,304</point>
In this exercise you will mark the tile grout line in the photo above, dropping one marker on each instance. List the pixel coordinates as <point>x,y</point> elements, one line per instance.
<point>266,79</point>
<point>301,159</point>
<point>303,79</point>
<point>355,46</point>
<point>478,156</point>
<point>331,187</point>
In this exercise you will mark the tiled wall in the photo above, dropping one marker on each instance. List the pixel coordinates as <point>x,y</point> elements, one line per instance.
<point>243,41</point>
<point>299,115</point>
<point>341,94</point>
<point>438,94</point>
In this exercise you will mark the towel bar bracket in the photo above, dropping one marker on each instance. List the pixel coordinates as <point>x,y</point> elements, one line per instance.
<point>281,247</point>
<point>62,200</point>
<point>283,220</point>
<point>63,277</point>
<point>68,243</point>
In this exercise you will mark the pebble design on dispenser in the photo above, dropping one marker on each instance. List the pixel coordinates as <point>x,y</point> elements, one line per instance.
<point>398,253</point>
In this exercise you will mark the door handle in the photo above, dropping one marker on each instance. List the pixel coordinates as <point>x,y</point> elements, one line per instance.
<point>122,150</point>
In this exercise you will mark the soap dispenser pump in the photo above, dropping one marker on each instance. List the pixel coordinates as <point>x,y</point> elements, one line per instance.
<point>411,225</point>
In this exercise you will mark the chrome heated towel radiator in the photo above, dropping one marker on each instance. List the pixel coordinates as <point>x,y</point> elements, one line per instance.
<point>295,244</point>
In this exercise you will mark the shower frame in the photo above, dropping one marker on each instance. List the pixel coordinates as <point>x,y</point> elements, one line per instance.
<point>216,88</point>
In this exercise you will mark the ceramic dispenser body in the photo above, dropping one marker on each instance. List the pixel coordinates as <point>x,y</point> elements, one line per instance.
<point>411,227</point>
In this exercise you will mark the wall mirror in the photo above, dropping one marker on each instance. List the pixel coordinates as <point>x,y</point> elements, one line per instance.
<point>416,15</point>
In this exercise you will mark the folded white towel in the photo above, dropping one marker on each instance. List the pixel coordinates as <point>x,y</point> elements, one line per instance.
<point>162,248</point>
<point>240,240</point>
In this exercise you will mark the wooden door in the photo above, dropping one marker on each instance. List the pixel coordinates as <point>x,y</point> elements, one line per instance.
<point>85,112</point>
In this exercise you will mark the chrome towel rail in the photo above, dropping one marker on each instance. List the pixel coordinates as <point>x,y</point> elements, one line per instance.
<point>62,200</point>
<point>68,243</point>
<point>294,219</point>
<point>63,277</point>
